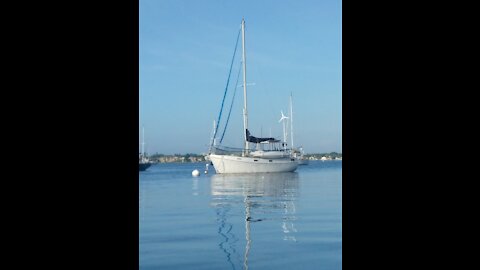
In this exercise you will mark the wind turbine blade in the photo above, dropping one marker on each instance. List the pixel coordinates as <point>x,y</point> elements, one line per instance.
<point>283,118</point>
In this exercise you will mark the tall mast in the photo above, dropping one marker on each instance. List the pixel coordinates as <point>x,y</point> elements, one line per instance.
<point>291,120</point>
<point>245,114</point>
<point>143,141</point>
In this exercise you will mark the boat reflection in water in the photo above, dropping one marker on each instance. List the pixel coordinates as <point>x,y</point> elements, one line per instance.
<point>249,198</point>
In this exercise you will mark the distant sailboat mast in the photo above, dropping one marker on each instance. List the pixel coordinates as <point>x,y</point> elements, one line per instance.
<point>245,114</point>
<point>291,121</point>
<point>284,119</point>
<point>143,161</point>
<point>143,141</point>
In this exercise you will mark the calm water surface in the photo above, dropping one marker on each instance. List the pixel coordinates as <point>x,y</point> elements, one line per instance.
<point>260,221</point>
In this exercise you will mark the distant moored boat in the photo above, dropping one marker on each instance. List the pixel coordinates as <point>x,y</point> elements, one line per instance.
<point>143,161</point>
<point>143,166</point>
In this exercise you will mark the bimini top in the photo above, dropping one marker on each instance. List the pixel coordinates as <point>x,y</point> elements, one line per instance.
<point>253,139</point>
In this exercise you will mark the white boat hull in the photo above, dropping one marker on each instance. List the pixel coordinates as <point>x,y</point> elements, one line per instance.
<point>236,164</point>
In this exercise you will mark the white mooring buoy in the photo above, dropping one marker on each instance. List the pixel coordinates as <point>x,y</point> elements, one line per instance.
<point>195,173</point>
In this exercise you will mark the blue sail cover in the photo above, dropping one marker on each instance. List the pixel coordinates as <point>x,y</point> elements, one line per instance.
<point>257,140</point>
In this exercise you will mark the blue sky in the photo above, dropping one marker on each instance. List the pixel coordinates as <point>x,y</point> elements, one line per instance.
<point>292,46</point>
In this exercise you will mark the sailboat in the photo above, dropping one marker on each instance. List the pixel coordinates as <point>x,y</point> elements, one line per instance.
<point>143,161</point>
<point>259,155</point>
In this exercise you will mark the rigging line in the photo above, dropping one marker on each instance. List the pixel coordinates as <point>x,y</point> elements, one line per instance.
<point>226,87</point>
<point>231,105</point>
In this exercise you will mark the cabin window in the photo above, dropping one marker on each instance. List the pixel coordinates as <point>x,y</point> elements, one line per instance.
<point>255,160</point>
<point>269,160</point>
<point>292,159</point>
